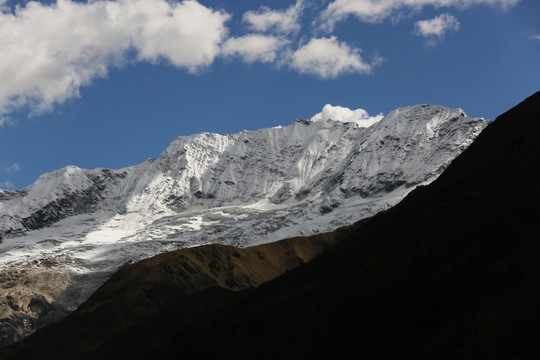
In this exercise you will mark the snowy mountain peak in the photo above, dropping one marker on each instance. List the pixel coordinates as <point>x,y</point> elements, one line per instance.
<point>241,189</point>
<point>325,161</point>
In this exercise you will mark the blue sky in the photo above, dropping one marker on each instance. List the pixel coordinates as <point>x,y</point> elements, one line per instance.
<point>110,84</point>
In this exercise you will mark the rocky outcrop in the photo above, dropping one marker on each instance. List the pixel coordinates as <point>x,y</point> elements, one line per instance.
<point>28,300</point>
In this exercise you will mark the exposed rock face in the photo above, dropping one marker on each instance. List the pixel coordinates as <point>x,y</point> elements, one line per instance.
<point>28,300</point>
<point>241,189</point>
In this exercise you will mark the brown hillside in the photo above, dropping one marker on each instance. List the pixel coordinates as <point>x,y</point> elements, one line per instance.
<point>145,288</point>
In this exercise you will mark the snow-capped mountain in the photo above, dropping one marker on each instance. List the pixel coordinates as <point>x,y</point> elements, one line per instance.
<point>240,189</point>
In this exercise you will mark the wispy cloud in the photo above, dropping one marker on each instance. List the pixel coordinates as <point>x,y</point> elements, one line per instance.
<point>344,114</point>
<point>8,185</point>
<point>328,58</point>
<point>281,21</point>
<point>379,10</point>
<point>4,119</point>
<point>254,47</point>
<point>13,168</point>
<point>53,50</point>
<point>436,28</point>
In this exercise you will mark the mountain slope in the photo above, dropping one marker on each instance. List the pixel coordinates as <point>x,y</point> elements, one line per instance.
<point>146,288</point>
<point>450,272</point>
<point>237,189</point>
<point>318,164</point>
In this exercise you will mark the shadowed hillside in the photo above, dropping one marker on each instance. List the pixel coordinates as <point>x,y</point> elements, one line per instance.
<point>451,272</point>
<point>146,288</point>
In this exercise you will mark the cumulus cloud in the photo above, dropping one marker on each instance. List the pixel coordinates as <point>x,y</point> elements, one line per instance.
<point>281,21</point>
<point>13,168</point>
<point>50,51</point>
<point>378,10</point>
<point>254,47</point>
<point>436,27</point>
<point>340,113</point>
<point>535,37</point>
<point>328,58</point>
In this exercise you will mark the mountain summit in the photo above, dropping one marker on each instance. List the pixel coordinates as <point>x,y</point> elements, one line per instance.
<point>242,189</point>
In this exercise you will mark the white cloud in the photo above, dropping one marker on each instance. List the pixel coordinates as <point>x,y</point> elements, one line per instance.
<point>328,58</point>
<point>3,6</point>
<point>340,113</point>
<point>378,10</point>
<point>50,51</point>
<point>535,37</point>
<point>254,47</point>
<point>7,185</point>
<point>436,27</point>
<point>266,19</point>
<point>13,168</point>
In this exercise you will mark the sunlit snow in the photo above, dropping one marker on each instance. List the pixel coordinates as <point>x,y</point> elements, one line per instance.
<point>242,189</point>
